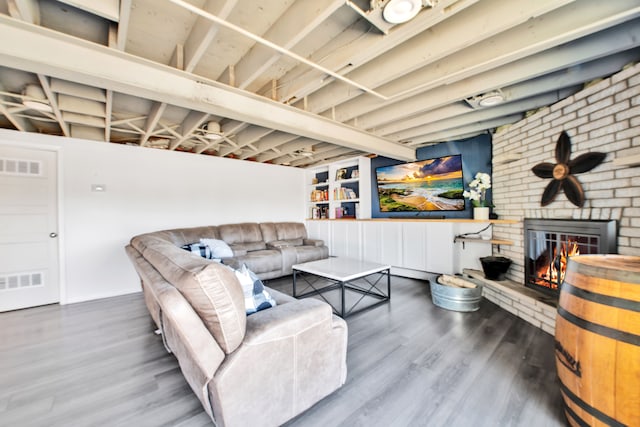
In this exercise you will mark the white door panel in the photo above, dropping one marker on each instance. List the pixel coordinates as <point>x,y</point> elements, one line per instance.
<point>28,215</point>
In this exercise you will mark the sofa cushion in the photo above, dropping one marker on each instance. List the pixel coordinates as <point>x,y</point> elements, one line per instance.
<point>247,247</point>
<point>247,232</point>
<point>218,248</point>
<point>285,243</point>
<point>211,288</point>
<point>259,262</point>
<point>311,253</point>
<point>256,297</point>
<point>290,230</point>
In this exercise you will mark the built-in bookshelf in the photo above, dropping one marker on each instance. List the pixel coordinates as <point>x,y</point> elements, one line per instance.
<point>340,190</point>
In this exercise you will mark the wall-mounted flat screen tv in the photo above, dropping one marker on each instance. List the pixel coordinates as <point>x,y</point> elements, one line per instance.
<point>427,185</point>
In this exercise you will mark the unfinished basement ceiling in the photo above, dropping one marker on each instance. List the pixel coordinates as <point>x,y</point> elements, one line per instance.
<point>298,82</point>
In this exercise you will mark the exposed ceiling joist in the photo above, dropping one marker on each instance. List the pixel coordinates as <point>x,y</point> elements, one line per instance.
<point>113,70</point>
<point>371,112</point>
<point>442,40</point>
<point>296,24</point>
<point>282,81</point>
<point>349,51</point>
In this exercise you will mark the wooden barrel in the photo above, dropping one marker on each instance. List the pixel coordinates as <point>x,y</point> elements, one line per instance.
<point>598,340</point>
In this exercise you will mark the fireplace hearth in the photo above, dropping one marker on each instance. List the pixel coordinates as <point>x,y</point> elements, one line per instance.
<point>548,243</point>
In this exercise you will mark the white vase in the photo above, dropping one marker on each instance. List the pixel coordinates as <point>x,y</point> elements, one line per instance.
<point>481,213</point>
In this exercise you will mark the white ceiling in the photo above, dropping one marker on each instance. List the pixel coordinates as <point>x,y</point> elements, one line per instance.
<point>299,82</point>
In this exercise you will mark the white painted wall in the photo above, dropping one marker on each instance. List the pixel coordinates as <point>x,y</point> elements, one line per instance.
<point>148,190</point>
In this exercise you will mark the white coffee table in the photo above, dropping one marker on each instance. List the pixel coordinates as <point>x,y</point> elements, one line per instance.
<point>343,274</point>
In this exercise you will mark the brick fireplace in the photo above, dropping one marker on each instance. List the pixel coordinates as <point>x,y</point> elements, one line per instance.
<point>603,117</point>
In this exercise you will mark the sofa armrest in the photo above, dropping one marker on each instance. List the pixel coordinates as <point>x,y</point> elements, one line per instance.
<point>277,244</point>
<point>313,242</point>
<point>294,354</point>
<point>286,320</point>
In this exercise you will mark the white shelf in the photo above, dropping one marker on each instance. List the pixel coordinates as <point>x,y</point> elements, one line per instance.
<point>361,185</point>
<point>478,240</point>
<point>346,181</point>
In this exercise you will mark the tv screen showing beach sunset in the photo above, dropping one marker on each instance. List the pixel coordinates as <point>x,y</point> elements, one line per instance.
<point>427,185</point>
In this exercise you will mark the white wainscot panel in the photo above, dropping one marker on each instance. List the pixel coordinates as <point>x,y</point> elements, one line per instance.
<point>390,243</point>
<point>414,245</point>
<point>440,248</point>
<point>319,230</point>
<point>345,239</point>
<point>372,242</point>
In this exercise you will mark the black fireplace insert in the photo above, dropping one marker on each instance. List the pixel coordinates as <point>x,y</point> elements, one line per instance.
<point>548,243</point>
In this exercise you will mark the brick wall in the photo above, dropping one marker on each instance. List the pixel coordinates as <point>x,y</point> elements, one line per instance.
<point>603,117</point>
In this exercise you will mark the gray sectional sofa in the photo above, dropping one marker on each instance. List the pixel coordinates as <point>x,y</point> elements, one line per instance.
<point>258,370</point>
<point>269,249</point>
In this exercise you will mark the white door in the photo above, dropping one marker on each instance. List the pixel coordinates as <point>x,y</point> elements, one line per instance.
<point>28,228</point>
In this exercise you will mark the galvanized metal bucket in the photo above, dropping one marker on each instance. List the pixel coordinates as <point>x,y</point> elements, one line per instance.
<point>456,299</point>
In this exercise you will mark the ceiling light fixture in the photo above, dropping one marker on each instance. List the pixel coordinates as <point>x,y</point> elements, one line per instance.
<point>305,152</point>
<point>486,100</point>
<point>490,99</point>
<point>33,97</point>
<point>212,131</point>
<point>401,11</point>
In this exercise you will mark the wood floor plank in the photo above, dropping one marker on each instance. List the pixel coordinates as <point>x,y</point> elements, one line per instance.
<point>410,363</point>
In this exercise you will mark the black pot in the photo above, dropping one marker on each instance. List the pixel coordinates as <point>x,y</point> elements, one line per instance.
<point>495,267</point>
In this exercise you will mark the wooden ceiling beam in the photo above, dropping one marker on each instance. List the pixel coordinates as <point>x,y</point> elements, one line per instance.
<point>152,120</point>
<point>123,24</point>
<point>554,82</point>
<point>564,25</point>
<point>347,52</point>
<point>465,29</point>
<point>46,87</point>
<point>18,122</point>
<point>191,122</point>
<point>332,155</point>
<point>270,142</point>
<point>108,9</point>
<point>41,50</point>
<point>249,136</point>
<point>451,134</point>
<point>372,113</point>
<point>293,26</point>
<point>108,108</point>
<point>204,31</point>
<point>285,150</point>
<point>484,114</point>
<point>27,10</point>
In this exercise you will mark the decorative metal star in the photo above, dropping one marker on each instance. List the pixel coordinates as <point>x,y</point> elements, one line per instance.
<point>562,172</point>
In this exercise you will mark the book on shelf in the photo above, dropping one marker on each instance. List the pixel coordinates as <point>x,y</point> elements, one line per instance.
<point>344,193</point>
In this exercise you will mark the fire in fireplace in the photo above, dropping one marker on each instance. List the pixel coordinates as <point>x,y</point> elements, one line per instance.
<point>550,242</point>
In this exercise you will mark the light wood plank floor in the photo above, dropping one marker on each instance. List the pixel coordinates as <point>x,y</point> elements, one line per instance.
<point>409,364</point>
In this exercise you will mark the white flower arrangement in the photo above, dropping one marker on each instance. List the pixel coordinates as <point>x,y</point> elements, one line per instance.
<point>478,189</point>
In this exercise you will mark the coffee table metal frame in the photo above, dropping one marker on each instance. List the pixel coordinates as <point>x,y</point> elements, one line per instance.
<point>342,273</point>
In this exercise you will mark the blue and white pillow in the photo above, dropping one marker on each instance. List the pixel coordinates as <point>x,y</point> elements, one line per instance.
<point>256,297</point>
<point>199,249</point>
<point>218,248</point>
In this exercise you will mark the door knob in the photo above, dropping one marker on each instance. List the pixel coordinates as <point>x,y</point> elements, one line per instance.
<point>53,235</point>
